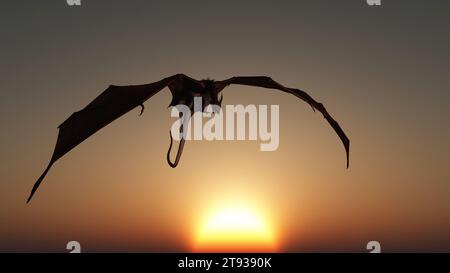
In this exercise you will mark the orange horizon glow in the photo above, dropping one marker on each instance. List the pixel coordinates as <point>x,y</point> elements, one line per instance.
<point>234,229</point>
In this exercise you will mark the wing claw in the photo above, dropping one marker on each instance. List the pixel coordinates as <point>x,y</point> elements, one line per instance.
<point>142,109</point>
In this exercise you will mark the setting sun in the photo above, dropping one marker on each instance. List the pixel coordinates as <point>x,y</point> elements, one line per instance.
<point>234,229</point>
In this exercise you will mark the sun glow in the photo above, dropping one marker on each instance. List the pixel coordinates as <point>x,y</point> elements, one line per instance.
<point>234,229</point>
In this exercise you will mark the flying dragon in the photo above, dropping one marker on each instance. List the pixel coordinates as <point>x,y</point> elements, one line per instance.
<point>115,101</point>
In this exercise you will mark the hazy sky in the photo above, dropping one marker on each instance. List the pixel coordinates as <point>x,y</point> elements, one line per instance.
<point>381,71</point>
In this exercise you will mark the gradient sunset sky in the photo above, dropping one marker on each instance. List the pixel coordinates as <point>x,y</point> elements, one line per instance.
<point>382,72</point>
